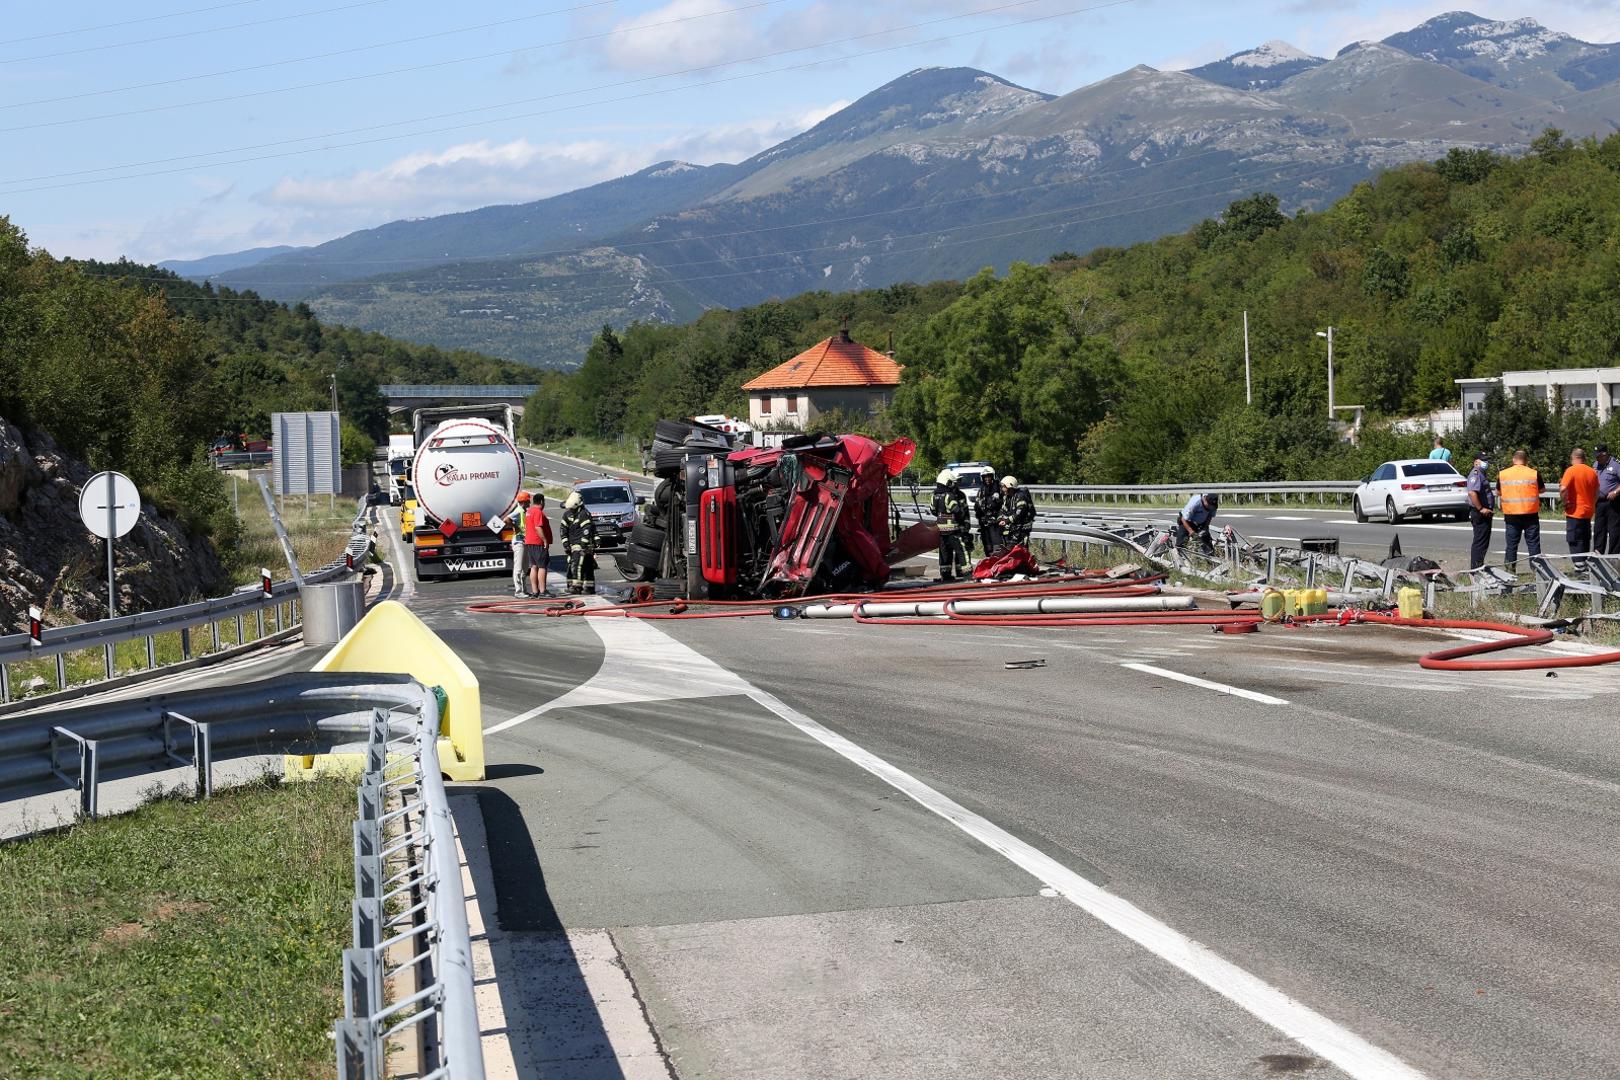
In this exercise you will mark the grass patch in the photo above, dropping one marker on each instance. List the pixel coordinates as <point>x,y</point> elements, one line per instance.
<point>318,528</point>
<point>184,939</point>
<point>622,454</point>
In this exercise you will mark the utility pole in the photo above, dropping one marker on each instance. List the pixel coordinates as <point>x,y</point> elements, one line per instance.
<point>1248,387</point>
<point>1329,335</point>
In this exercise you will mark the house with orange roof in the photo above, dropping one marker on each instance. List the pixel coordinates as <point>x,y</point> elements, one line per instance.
<point>838,373</point>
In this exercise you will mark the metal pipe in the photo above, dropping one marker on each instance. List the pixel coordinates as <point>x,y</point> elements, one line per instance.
<point>1056,605</point>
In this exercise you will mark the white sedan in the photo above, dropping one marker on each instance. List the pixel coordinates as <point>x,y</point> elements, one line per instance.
<point>1397,490</point>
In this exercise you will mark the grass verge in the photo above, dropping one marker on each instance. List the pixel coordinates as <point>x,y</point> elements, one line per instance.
<point>318,528</point>
<point>185,939</point>
<point>622,454</point>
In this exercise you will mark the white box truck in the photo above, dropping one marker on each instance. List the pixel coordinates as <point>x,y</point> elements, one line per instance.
<point>466,476</point>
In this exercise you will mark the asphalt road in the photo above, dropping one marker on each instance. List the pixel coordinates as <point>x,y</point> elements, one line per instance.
<point>819,849</point>
<point>566,472</point>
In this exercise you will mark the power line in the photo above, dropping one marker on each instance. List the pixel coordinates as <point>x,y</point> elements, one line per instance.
<point>547,97</point>
<point>221,99</point>
<point>194,33</point>
<point>128,22</point>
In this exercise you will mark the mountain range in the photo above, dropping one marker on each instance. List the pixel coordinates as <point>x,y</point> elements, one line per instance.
<point>941,172</point>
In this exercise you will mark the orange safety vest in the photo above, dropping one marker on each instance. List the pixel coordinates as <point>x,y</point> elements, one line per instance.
<point>1521,490</point>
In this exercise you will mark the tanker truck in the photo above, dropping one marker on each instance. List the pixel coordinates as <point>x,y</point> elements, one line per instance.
<point>466,476</point>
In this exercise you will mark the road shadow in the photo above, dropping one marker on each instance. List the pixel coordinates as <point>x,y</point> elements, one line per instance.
<point>511,769</point>
<point>552,1021</point>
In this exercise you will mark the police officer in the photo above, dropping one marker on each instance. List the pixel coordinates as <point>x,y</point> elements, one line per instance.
<point>1195,520</point>
<point>1606,522</point>
<point>1017,514</point>
<point>951,511</point>
<point>985,509</point>
<point>1481,512</point>
<point>579,542</point>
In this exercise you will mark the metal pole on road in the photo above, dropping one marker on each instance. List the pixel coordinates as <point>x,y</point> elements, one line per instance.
<point>1329,335</point>
<point>1248,387</point>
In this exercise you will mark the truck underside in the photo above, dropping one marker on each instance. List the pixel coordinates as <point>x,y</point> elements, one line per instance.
<point>810,516</point>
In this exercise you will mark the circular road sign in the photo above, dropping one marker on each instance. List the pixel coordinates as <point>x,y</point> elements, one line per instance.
<point>109,498</point>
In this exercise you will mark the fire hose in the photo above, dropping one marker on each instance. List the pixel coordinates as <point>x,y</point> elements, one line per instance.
<point>1079,600</point>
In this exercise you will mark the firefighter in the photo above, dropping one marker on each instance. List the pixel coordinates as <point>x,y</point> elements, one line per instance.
<point>579,542</point>
<point>985,509</point>
<point>951,510</point>
<point>1016,516</point>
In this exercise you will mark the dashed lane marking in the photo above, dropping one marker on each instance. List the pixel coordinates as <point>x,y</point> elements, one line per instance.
<point>1193,680</point>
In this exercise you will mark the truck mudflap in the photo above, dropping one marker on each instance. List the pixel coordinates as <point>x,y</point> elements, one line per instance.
<point>718,535</point>
<point>806,531</point>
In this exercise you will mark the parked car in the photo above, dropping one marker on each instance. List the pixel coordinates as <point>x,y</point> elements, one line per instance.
<point>971,477</point>
<point>407,514</point>
<point>1421,487</point>
<point>613,505</point>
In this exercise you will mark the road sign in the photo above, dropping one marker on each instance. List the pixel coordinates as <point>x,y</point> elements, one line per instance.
<point>308,456</point>
<point>109,504</point>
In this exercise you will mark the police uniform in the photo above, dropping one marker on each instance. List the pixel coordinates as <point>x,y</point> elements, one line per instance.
<point>1017,514</point>
<point>579,542</point>
<point>951,510</point>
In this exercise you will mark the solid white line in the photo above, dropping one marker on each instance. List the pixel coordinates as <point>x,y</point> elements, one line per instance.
<point>404,567</point>
<point>1352,1054</point>
<point>1219,688</point>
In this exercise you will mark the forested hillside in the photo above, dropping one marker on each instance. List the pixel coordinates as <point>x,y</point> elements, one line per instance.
<point>132,368</point>
<point>1127,364</point>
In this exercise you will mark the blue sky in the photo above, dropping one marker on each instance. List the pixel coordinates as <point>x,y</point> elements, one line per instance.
<point>190,127</point>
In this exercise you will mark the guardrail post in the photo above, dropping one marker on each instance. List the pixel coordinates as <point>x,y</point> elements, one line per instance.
<point>260,614</point>
<point>1349,577</point>
<point>240,640</point>
<point>112,667</point>
<point>61,671</point>
<point>1310,570</point>
<point>1271,564</point>
<point>5,685</point>
<point>89,778</point>
<point>185,643</point>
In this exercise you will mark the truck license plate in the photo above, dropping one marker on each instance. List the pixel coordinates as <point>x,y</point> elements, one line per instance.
<point>465,566</point>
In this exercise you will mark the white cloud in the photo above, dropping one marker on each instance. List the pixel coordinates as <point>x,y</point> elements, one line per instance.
<point>682,34</point>
<point>312,208</point>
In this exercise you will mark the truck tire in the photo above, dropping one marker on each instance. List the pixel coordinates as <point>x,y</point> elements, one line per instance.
<point>631,571</point>
<point>651,558</point>
<point>673,431</point>
<point>668,588</point>
<point>647,536</point>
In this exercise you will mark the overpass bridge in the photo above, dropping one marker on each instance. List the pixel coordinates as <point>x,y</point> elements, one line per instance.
<point>404,396</point>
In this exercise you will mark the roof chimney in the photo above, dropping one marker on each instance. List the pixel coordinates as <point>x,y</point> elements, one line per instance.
<point>844,330</point>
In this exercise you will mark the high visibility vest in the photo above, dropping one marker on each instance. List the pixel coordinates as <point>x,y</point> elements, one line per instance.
<point>1521,490</point>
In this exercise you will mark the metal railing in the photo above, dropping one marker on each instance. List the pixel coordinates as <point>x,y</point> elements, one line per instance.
<point>241,459</point>
<point>407,866</point>
<point>447,390</point>
<point>1334,491</point>
<point>410,916</point>
<point>279,607</point>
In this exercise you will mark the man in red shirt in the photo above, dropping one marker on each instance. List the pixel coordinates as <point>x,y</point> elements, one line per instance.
<point>1578,487</point>
<point>536,543</point>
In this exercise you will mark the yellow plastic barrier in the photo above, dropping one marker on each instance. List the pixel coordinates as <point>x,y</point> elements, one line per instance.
<point>391,639</point>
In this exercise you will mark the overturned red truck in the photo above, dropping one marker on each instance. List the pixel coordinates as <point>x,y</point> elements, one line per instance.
<point>811,516</point>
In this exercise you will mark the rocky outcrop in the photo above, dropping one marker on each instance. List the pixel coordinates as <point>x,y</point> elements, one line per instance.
<point>48,558</point>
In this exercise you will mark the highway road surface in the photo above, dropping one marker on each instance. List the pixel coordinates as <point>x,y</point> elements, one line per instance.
<point>823,850</point>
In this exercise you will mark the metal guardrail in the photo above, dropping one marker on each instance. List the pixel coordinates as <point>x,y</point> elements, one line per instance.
<point>281,602</point>
<point>241,459</point>
<point>407,866</point>
<point>448,390</point>
<point>410,915</point>
<point>1336,491</point>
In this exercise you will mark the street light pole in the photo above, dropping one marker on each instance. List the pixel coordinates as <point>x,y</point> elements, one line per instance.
<point>1329,336</point>
<point>1248,387</point>
<point>333,378</point>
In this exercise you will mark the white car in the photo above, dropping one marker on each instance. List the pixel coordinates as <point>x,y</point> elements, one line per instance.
<point>1421,487</point>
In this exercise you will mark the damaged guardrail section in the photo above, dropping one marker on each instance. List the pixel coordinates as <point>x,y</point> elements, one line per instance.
<point>279,602</point>
<point>408,885</point>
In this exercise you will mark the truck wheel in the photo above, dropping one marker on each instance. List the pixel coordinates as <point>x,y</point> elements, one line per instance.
<point>632,571</point>
<point>647,536</point>
<point>648,557</point>
<point>668,589</point>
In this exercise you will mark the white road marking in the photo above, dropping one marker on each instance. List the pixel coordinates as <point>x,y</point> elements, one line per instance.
<point>1219,688</point>
<point>1338,1045</point>
<point>1285,518</point>
<point>404,565</point>
<point>1352,1054</point>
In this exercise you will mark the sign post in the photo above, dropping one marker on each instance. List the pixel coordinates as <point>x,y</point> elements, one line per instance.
<point>109,506</point>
